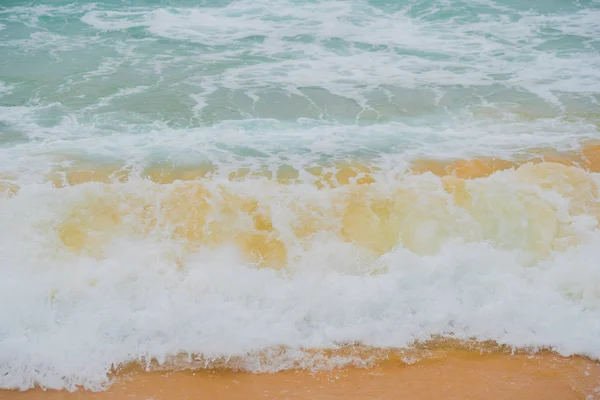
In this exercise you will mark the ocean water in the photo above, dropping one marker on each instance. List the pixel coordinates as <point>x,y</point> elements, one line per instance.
<point>247,183</point>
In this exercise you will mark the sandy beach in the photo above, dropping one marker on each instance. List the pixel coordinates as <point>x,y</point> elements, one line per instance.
<point>448,374</point>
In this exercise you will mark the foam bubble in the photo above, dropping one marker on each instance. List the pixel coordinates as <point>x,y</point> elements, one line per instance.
<point>115,20</point>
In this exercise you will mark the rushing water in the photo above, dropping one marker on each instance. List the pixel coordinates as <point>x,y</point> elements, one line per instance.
<point>238,180</point>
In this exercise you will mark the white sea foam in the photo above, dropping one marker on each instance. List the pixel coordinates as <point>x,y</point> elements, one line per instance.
<point>143,144</point>
<point>5,88</point>
<point>331,61</point>
<point>493,44</point>
<point>73,315</point>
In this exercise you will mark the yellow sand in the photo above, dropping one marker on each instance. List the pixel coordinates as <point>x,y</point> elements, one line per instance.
<point>451,374</point>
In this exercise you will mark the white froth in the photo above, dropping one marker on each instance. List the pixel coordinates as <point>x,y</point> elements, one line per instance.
<point>493,44</point>
<point>73,316</point>
<point>4,87</point>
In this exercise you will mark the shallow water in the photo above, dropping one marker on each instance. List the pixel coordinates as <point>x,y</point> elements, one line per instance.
<point>254,180</point>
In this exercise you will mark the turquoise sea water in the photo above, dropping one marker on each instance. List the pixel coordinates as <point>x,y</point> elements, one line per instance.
<point>97,272</point>
<point>129,79</point>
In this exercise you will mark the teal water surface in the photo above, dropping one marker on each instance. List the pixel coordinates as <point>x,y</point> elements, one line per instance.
<point>173,80</point>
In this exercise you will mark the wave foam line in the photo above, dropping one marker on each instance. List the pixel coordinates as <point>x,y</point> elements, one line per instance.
<point>537,208</point>
<point>103,274</point>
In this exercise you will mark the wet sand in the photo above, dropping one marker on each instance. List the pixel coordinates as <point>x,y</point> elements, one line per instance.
<point>451,374</point>
<point>340,173</point>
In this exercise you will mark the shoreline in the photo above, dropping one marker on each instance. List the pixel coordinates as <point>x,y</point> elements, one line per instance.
<point>450,374</point>
<point>333,174</point>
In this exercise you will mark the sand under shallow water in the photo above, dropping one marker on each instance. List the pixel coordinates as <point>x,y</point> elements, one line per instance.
<point>448,374</point>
